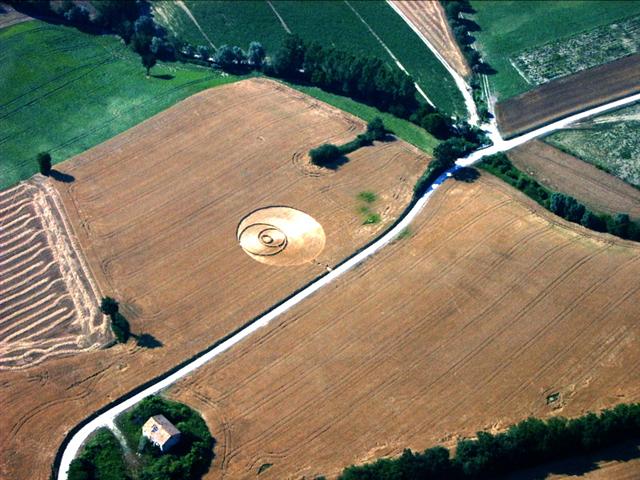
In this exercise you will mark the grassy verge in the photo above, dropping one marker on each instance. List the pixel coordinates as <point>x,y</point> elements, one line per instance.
<point>65,91</point>
<point>403,129</point>
<point>510,27</point>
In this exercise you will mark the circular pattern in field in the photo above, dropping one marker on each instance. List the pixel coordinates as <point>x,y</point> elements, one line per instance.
<point>281,236</point>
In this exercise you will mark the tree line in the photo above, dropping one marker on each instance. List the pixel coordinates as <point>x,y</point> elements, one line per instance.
<point>562,204</point>
<point>529,443</point>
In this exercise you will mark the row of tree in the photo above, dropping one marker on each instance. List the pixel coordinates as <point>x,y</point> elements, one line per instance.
<point>329,156</point>
<point>561,204</point>
<point>526,444</point>
<point>366,79</point>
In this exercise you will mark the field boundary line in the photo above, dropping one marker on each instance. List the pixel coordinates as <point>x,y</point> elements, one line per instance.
<point>282,22</point>
<point>388,50</point>
<point>185,9</point>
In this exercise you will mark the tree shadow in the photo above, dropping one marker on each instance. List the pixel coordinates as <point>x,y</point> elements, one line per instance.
<point>61,177</point>
<point>146,340</point>
<point>334,163</point>
<point>466,174</point>
<point>164,76</point>
<point>485,69</point>
<point>582,464</point>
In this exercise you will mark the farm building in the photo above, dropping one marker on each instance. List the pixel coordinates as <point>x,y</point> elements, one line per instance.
<point>161,432</point>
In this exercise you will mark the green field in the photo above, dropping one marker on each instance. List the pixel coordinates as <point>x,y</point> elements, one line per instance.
<point>327,22</point>
<point>93,88</point>
<point>610,142</point>
<point>66,91</point>
<point>508,28</point>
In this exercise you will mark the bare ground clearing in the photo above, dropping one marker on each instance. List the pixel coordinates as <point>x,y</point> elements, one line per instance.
<point>471,322</point>
<point>571,94</point>
<point>157,211</point>
<point>429,18</point>
<point>565,173</point>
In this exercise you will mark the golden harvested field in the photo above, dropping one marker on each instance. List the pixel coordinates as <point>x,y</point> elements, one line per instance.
<point>157,210</point>
<point>470,323</point>
<point>48,303</point>
<point>567,95</point>
<point>565,173</point>
<point>429,18</point>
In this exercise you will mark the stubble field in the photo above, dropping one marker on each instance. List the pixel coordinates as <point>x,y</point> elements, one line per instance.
<point>471,322</point>
<point>565,173</point>
<point>157,211</point>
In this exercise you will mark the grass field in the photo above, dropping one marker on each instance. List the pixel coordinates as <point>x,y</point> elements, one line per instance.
<point>327,22</point>
<point>433,338</point>
<point>66,91</point>
<point>510,27</point>
<point>610,142</point>
<point>158,210</point>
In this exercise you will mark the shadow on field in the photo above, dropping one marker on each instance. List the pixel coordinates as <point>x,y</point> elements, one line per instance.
<point>146,340</point>
<point>61,177</point>
<point>578,466</point>
<point>164,76</point>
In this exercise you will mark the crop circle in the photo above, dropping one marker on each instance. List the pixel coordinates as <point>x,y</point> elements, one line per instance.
<point>281,236</point>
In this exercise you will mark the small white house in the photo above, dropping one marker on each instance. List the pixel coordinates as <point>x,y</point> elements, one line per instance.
<point>161,432</point>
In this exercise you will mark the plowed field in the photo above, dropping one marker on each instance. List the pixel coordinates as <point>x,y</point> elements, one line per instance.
<point>489,307</point>
<point>157,210</point>
<point>567,95</point>
<point>565,173</point>
<point>48,303</point>
<point>429,18</point>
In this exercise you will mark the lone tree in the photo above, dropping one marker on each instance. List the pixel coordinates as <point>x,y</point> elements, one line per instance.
<point>109,306</point>
<point>44,163</point>
<point>149,61</point>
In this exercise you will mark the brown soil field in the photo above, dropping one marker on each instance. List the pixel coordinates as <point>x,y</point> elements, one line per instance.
<point>429,18</point>
<point>567,95</point>
<point>157,211</point>
<point>488,307</point>
<point>565,173</point>
<point>48,304</point>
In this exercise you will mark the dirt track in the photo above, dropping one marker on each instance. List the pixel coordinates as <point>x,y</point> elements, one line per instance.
<point>429,17</point>
<point>157,210</point>
<point>435,337</point>
<point>565,173</point>
<point>559,98</point>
